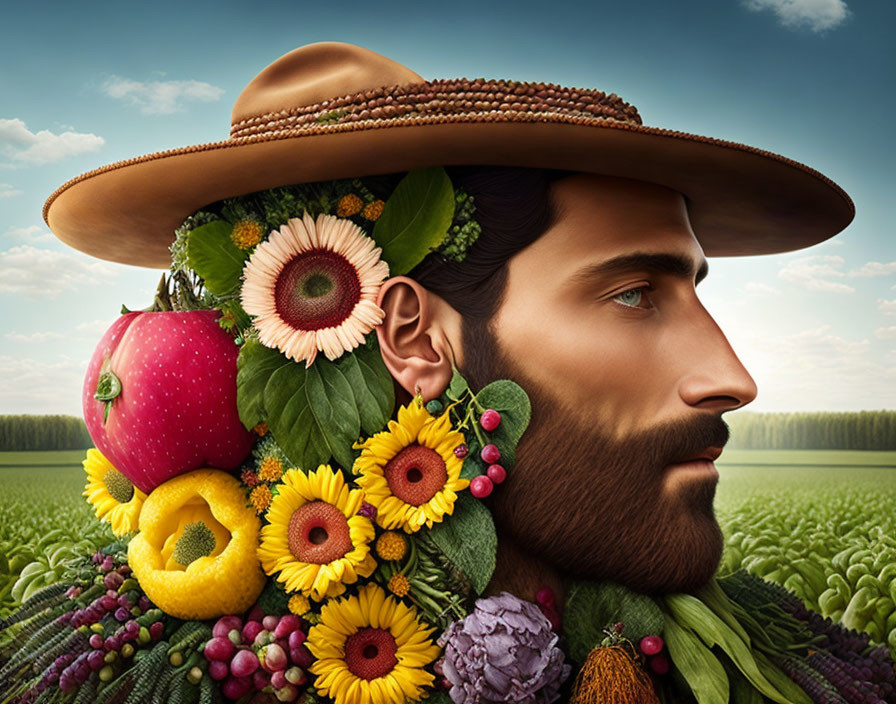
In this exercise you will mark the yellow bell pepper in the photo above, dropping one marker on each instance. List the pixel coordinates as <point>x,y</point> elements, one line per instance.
<point>195,554</point>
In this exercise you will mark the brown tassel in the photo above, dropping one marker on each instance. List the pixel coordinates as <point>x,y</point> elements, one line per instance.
<point>611,676</point>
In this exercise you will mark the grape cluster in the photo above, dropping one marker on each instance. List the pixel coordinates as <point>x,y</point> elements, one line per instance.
<point>265,653</point>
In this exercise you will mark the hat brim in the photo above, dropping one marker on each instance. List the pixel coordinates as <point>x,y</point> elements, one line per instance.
<point>741,200</point>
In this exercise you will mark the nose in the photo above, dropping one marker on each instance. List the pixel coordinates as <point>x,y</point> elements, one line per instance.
<point>714,379</point>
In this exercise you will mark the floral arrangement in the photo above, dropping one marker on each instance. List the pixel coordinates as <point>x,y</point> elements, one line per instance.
<point>283,537</point>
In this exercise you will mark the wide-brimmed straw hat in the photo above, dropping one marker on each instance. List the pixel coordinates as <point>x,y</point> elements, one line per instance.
<point>334,110</point>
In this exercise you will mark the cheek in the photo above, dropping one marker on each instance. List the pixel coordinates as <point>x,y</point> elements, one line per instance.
<point>604,372</point>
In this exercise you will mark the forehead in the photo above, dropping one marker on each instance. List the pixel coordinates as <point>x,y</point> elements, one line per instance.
<point>599,217</point>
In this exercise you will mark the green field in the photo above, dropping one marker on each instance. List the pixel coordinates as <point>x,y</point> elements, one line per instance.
<point>822,523</point>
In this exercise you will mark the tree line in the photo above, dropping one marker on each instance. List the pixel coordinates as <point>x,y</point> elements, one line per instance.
<point>862,430</point>
<point>56,432</point>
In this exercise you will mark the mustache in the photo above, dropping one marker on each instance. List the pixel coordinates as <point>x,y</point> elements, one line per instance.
<point>683,439</point>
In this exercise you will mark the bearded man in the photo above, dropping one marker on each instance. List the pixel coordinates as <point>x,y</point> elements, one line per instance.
<point>581,286</point>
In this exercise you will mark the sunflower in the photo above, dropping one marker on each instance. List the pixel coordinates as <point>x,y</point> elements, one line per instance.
<point>314,538</point>
<point>113,496</point>
<point>371,648</point>
<point>312,286</point>
<point>410,472</point>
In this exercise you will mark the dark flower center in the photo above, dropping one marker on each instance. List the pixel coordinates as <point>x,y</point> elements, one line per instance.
<point>317,290</point>
<point>370,653</point>
<point>318,533</point>
<point>118,486</point>
<point>416,474</point>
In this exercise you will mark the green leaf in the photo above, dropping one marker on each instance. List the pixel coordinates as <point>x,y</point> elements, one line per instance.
<point>512,402</point>
<point>701,669</point>
<point>774,674</point>
<point>458,386</point>
<point>437,696</point>
<point>312,414</point>
<point>415,219</point>
<point>468,540</point>
<point>290,418</point>
<point>691,612</point>
<point>372,386</point>
<point>254,367</point>
<point>333,405</point>
<point>213,255</point>
<point>590,607</point>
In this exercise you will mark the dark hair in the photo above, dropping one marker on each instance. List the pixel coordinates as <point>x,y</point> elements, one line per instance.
<point>513,209</point>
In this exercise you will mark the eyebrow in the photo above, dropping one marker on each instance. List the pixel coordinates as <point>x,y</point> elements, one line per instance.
<point>676,265</point>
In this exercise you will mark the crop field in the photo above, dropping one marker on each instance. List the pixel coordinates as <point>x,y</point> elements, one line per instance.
<point>819,522</point>
<point>822,523</point>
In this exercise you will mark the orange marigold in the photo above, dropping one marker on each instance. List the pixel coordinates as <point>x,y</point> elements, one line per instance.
<point>261,429</point>
<point>246,234</point>
<point>372,211</point>
<point>270,469</point>
<point>349,205</point>
<point>399,585</point>
<point>260,497</point>
<point>391,546</point>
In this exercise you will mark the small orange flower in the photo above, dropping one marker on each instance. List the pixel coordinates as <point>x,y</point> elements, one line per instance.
<point>399,585</point>
<point>261,429</point>
<point>270,470</point>
<point>349,205</point>
<point>372,211</point>
<point>249,478</point>
<point>260,497</point>
<point>246,234</point>
<point>391,546</point>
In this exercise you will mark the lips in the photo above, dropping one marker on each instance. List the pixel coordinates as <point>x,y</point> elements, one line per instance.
<point>710,453</point>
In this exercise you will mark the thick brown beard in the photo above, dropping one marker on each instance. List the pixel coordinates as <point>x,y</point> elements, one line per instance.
<point>592,506</point>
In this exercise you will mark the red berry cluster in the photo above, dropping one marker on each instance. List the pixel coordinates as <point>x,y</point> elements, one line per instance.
<point>652,647</point>
<point>547,602</point>
<point>266,653</point>
<point>484,484</point>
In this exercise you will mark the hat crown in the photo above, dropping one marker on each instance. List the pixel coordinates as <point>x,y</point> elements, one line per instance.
<point>314,73</point>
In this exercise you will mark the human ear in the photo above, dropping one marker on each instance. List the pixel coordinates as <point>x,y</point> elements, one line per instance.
<point>415,336</point>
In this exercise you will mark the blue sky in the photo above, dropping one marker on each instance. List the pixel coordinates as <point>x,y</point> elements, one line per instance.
<point>87,84</point>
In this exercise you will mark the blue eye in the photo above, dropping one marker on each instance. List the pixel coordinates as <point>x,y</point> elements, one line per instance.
<point>634,298</point>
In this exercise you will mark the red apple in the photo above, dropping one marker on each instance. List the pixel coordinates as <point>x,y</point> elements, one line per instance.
<point>169,384</point>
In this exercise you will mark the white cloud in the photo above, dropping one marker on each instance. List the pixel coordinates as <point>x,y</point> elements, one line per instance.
<point>819,369</point>
<point>43,273</point>
<point>25,148</point>
<point>873,269</point>
<point>32,386</point>
<point>817,15</point>
<point>758,287</point>
<point>160,97</point>
<point>815,273</point>
<point>94,327</point>
<point>33,337</point>
<point>32,233</point>
<point>7,191</point>
<point>888,333</point>
<point>886,307</point>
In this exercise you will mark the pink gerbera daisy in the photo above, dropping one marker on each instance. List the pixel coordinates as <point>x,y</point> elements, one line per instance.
<point>313,286</point>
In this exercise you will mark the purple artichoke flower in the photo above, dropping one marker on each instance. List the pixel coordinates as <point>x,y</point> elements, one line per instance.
<point>505,651</point>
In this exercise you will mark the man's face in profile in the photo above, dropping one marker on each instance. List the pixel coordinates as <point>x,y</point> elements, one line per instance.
<point>628,376</point>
